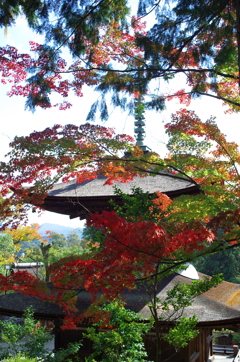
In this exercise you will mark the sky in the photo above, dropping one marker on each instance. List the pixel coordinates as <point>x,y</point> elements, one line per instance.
<point>14,120</point>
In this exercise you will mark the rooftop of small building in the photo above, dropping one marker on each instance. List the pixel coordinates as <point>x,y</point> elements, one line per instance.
<point>220,305</point>
<point>96,187</point>
<point>81,199</point>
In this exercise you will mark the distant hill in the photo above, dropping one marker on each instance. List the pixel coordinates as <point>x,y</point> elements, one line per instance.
<point>58,229</point>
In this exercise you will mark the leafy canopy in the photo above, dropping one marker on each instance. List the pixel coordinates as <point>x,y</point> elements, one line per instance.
<point>121,55</point>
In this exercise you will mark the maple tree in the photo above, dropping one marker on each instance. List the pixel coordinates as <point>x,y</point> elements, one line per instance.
<point>199,42</point>
<point>117,55</point>
<point>146,239</point>
<point>141,251</point>
<point>24,234</point>
<point>58,153</point>
<point>13,240</point>
<point>87,151</point>
<point>82,153</point>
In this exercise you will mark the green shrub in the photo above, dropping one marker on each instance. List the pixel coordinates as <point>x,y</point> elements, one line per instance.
<point>28,338</point>
<point>26,342</point>
<point>122,340</point>
<point>19,358</point>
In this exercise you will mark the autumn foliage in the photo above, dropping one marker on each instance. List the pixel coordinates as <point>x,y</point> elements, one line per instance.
<point>52,71</point>
<point>120,57</point>
<point>136,242</point>
<point>123,60</point>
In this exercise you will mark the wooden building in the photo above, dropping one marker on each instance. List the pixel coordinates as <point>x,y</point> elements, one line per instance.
<point>32,268</point>
<point>81,199</point>
<point>216,309</point>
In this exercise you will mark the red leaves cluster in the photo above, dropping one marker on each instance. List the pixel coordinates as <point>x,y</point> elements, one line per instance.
<point>53,73</point>
<point>183,97</point>
<point>162,201</point>
<point>25,283</point>
<point>128,251</point>
<point>145,241</point>
<point>13,65</point>
<point>60,153</point>
<point>99,65</point>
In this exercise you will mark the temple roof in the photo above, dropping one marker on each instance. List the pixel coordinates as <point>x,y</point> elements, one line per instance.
<point>96,187</point>
<point>80,199</point>
<point>207,307</point>
<point>219,306</point>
